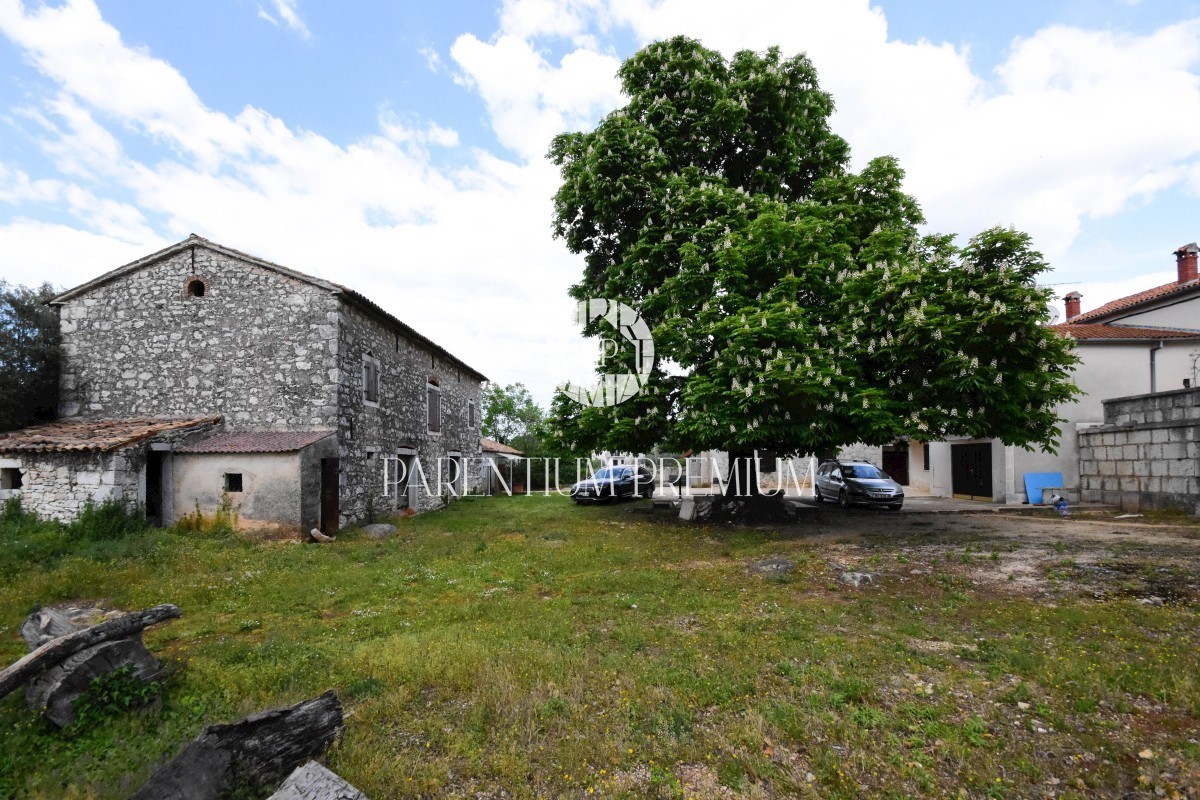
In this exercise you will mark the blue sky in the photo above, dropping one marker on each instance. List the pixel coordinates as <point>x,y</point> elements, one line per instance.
<point>398,146</point>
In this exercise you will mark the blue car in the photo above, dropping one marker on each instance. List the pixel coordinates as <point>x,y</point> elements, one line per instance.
<point>613,483</point>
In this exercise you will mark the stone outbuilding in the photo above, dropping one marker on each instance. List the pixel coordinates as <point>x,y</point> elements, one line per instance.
<point>200,332</point>
<point>59,467</point>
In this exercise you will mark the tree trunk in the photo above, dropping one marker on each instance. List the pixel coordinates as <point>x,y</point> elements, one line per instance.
<point>55,651</point>
<point>56,690</point>
<point>314,782</point>
<point>743,476</point>
<point>248,757</point>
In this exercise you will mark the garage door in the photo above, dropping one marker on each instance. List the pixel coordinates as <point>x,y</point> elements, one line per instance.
<point>971,471</point>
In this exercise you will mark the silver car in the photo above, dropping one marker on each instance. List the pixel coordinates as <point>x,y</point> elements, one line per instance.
<point>853,483</point>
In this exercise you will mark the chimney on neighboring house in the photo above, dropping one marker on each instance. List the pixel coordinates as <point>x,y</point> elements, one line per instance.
<point>1073,305</point>
<point>1185,262</point>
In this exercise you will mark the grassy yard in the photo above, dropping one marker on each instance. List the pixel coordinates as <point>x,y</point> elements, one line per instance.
<point>522,648</point>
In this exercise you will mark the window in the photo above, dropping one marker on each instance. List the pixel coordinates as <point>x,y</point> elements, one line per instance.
<point>925,455</point>
<point>470,413</point>
<point>434,401</point>
<point>233,481</point>
<point>10,478</point>
<point>195,287</point>
<point>370,378</point>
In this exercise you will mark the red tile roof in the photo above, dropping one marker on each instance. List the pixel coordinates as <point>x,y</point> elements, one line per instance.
<point>251,442</point>
<point>1133,300</point>
<point>1097,330</point>
<point>92,435</point>
<point>492,446</point>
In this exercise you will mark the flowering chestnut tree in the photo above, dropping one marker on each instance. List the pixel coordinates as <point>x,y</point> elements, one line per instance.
<point>795,304</point>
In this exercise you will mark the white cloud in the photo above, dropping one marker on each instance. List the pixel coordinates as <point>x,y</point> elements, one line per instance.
<point>1074,124</point>
<point>464,255</point>
<point>286,9</point>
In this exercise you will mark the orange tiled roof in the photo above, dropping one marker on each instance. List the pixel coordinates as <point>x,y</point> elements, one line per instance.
<point>1097,330</point>
<point>94,435</point>
<point>250,442</point>
<point>1133,300</point>
<point>492,446</point>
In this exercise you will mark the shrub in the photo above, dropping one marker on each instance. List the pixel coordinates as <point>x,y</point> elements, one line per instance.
<point>107,521</point>
<point>111,694</point>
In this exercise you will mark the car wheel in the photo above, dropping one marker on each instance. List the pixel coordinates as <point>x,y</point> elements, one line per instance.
<point>817,494</point>
<point>843,499</point>
<point>648,493</point>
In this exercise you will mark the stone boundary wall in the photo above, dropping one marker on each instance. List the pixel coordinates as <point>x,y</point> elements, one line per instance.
<point>1146,455</point>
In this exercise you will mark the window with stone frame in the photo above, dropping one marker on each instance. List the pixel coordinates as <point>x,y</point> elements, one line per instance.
<point>471,414</point>
<point>433,401</point>
<point>370,379</point>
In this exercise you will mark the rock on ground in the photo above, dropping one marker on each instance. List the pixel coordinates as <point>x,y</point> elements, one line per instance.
<point>379,530</point>
<point>314,782</point>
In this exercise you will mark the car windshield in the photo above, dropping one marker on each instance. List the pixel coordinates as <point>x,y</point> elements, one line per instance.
<point>861,471</point>
<point>606,474</point>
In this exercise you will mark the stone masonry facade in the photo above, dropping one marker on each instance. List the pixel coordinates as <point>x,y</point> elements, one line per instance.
<point>200,329</point>
<point>1147,453</point>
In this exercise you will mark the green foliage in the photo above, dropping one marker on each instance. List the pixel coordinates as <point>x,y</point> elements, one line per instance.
<point>511,417</point>
<point>795,305</point>
<point>108,521</point>
<point>29,355</point>
<point>109,695</point>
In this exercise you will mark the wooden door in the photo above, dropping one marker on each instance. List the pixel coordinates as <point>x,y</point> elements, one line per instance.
<point>895,464</point>
<point>971,471</point>
<point>329,495</point>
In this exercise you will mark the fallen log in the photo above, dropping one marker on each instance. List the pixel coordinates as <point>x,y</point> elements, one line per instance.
<point>313,782</point>
<point>248,757</point>
<point>56,650</point>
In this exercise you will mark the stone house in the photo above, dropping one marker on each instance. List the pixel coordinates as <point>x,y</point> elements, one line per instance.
<point>1145,343</point>
<point>312,385</point>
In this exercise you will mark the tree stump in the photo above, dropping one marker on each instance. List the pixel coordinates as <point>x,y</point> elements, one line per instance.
<point>250,756</point>
<point>66,654</point>
<point>314,782</point>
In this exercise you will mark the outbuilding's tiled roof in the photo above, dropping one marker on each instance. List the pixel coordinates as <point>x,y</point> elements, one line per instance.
<point>492,446</point>
<point>1133,300</point>
<point>250,442</point>
<point>94,435</point>
<point>1097,330</point>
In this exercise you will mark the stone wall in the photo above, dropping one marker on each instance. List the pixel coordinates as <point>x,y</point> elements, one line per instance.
<point>1147,453</point>
<point>59,485</point>
<point>259,348</point>
<point>371,432</point>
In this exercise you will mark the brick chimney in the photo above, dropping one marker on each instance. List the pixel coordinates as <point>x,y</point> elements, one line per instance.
<point>1185,262</point>
<point>1073,305</point>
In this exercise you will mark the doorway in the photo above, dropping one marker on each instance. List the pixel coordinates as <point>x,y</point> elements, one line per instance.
<point>330,493</point>
<point>895,463</point>
<point>154,488</point>
<point>971,471</point>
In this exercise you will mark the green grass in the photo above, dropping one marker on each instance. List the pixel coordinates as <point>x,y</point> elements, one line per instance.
<point>548,650</point>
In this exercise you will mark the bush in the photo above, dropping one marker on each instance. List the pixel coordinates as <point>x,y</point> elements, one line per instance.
<point>14,516</point>
<point>111,694</point>
<point>108,521</point>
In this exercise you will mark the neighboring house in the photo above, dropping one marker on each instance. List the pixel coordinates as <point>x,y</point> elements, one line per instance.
<point>500,466</point>
<point>1145,343</point>
<point>200,375</point>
